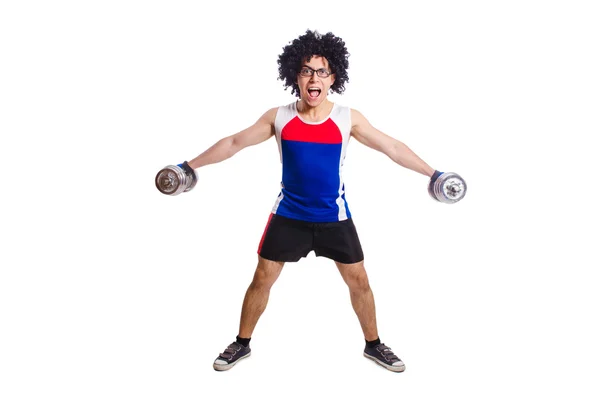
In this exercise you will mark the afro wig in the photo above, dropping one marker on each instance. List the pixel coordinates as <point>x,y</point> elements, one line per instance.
<point>304,48</point>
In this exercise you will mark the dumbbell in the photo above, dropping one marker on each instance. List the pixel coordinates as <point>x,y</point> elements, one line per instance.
<point>447,187</point>
<point>175,179</point>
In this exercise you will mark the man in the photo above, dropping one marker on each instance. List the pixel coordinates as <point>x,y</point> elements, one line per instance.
<point>311,212</point>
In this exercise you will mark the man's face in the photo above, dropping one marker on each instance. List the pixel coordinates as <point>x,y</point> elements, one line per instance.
<point>313,89</point>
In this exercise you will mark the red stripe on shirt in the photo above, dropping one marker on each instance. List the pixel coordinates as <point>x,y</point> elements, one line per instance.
<point>297,130</point>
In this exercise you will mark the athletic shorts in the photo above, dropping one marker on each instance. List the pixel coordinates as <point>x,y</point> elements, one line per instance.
<point>288,240</point>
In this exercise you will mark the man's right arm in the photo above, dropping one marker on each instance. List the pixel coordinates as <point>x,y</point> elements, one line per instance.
<point>259,132</point>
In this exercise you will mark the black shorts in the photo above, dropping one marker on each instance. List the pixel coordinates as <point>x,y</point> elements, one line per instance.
<point>288,240</point>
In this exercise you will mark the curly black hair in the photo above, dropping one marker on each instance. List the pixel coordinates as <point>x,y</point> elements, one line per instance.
<point>304,48</point>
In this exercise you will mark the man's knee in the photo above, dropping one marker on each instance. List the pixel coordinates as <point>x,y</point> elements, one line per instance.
<point>359,283</point>
<point>266,273</point>
<point>263,279</point>
<point>355,276</point>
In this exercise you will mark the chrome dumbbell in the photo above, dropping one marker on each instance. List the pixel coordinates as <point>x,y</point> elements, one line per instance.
<point>175,179</point>
<point>448,188</point>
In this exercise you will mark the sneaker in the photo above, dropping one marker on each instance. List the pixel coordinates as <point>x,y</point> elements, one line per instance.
<point>231,356</point>
<point>385,357</point>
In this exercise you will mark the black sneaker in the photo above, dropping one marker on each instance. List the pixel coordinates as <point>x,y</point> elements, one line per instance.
<point>385,357</point>
<point>231,356</point>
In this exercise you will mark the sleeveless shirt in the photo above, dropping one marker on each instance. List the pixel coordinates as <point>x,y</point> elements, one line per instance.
<point>312,156</point>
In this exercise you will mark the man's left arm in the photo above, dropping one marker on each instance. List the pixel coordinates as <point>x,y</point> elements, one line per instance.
<point>370,136</point>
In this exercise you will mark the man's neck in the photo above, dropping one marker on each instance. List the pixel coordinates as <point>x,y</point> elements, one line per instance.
<point>315,114</point>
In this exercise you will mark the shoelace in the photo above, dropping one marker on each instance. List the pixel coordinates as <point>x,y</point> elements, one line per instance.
<point>231,350</point>
<point>388,354</point>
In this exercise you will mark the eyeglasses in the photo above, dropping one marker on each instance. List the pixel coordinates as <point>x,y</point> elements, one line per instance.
<point>308,72</point>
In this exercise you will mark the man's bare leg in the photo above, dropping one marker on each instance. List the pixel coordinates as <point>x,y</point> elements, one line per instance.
<point>254,305</point>
<point>257,295</point>
<point>363,303</point>
<point>361,296</point>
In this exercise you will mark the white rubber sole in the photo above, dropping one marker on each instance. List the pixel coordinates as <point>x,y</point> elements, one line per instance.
<point>225,367</point>
<point>398,368</point>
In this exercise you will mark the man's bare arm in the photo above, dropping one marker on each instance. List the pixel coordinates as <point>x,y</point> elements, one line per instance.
<point>370,136</point>
<point>259,132</point>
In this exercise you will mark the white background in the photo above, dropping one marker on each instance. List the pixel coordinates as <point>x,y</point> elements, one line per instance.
<point>109,288</point>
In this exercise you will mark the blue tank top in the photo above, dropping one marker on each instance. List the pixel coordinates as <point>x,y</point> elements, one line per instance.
<point>312,156</point>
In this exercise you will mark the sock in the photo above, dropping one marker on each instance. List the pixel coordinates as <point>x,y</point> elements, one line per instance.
<point>243,341</point>
<point>373,343</point>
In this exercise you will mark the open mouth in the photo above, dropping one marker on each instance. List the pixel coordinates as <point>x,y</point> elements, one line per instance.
<point>314,92</point>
